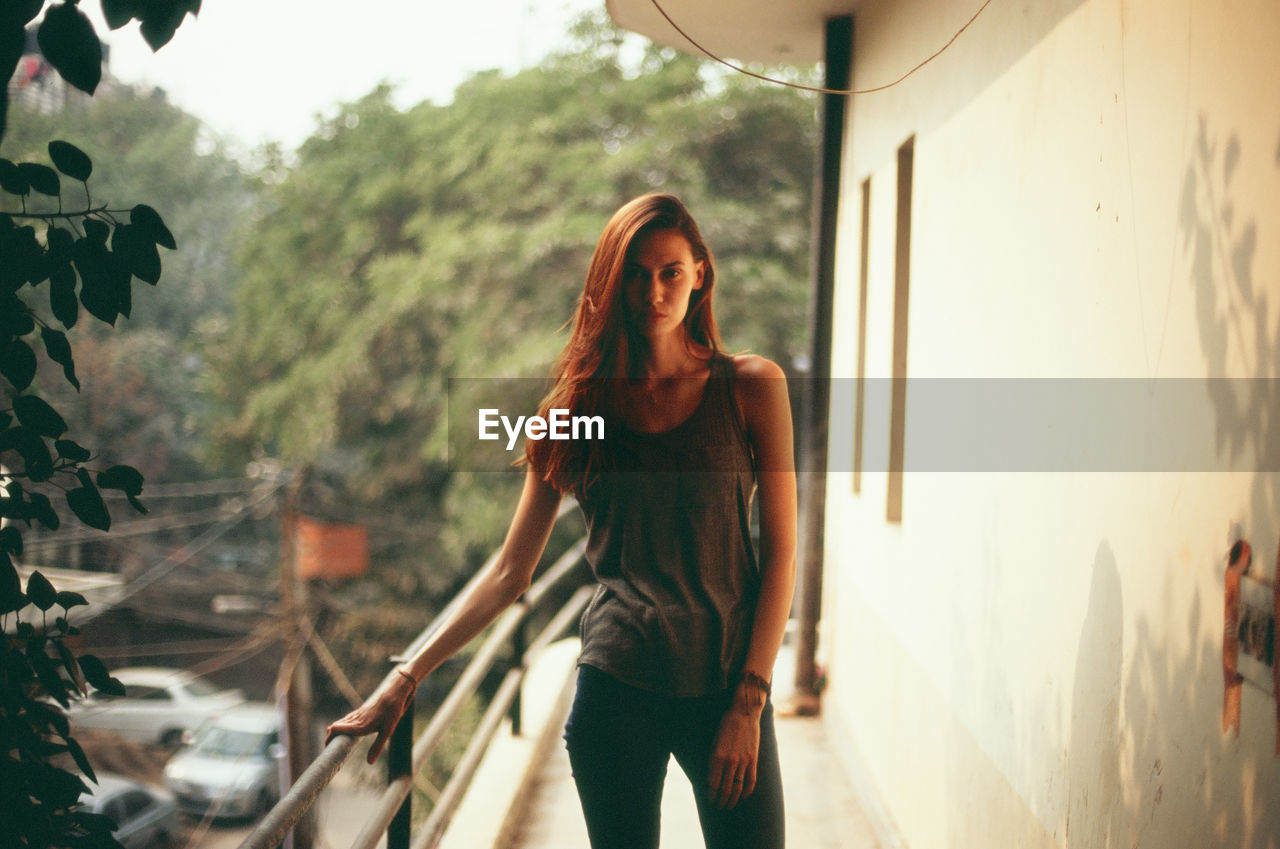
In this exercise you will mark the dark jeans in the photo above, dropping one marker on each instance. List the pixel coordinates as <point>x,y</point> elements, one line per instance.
<point>620,739</point>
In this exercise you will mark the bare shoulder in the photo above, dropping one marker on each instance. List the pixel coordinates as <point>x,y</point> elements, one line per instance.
<point>760,387</point>
<point>754,366</point>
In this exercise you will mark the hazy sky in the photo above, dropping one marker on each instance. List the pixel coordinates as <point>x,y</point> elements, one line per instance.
<point>260,70</point>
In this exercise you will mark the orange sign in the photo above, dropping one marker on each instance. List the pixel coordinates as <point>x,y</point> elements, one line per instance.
<point>331,551</point>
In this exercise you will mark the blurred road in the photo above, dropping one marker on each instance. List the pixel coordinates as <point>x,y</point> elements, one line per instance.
<point>341,809</point>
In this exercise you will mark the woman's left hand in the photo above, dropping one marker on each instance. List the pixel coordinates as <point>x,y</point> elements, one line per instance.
<point>733,759</point>
<point>381,712</point>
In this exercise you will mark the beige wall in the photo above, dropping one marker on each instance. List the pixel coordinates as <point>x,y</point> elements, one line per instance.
<point>1033,659</point>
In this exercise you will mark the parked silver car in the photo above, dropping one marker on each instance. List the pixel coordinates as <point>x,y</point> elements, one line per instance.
<point>145,817</point>
<point>232,766</point>
<point>159,705</point>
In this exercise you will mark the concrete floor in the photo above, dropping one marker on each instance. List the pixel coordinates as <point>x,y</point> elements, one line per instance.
<point>822,809</point>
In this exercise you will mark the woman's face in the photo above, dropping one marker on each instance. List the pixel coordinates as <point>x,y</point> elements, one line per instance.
<point>658,277</point>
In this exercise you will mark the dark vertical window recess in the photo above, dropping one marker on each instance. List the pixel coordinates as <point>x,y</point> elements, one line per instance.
<point>901,299</point>
<point>860,384</point>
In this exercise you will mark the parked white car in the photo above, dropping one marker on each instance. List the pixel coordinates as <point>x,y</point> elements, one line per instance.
<point>159,705</point>
<point>145,817</point>
<point>232,766</point>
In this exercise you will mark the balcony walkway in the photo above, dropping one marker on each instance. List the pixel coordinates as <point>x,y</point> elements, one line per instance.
<point>524,797</point>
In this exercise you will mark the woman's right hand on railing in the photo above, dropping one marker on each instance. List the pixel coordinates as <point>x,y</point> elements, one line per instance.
<point>380,712</point>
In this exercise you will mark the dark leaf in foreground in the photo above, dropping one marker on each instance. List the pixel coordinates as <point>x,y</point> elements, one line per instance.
<point>41,592</point>
<point>77,754</point>
<point>18,364</point>
<point>46,672</point>
<point>96,674</point>
<point>68,599</point>
<point>71,450</point>
<point>59,350</point>
<point>161,20</point>
<point>17,668</point>
<point>67,40</point>
<point>119,12</point>
<point>127,479</point>
<point>11,179</point>
<point>72,668</point>
<point>11,596</point>
<point>96,230</point>
<point>11,541</point>
<point>151,225</point>
<point>43,512</point>
<point>15,318</point>
<point>37,461</point>
<point>59,242</point>
<point>35,413</point>
<point>63,789</point>
<point>86,503</point>
<point>48,715</point>
<point>137,251</point>
<point>62,298</point>
<point>26,10</point>
<point>71,160</point>
<point>42,178</point>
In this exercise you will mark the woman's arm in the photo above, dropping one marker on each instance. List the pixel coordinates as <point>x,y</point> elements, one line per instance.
<point>499,586</point>
<point>766,410</point>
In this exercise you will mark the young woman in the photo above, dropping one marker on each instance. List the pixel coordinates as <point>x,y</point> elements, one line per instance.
<point>679,642</point>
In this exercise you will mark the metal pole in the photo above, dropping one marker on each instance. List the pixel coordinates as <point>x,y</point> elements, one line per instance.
<point>297,695</point>
<point>517,662</point>
<point>399,764</point>
<point>839,53</point>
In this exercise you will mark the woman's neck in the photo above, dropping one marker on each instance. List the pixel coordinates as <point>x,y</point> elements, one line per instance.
<point>671,356</point>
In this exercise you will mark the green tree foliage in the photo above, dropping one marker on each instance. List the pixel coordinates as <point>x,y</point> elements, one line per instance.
<point>158,152</point>
<point>38,796</point>
<point>141,398</point>
<point>59,263</point>
<point>407,247</point>
<point>79,262</point>
<point>62,259</point>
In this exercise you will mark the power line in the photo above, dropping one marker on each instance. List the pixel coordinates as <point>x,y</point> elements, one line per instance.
<point>191,549</point>
<point>262,636</point>
<point>329,662</point>
<point>136,527</point>
<point>221,486</point>
<point>154,524</point>
<point>817,89</point>
<point>215,646</point>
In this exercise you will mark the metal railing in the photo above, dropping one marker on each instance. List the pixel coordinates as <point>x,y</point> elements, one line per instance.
<point>405,757</point>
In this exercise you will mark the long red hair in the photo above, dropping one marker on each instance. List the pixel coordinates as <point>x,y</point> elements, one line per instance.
<point>603,345</point>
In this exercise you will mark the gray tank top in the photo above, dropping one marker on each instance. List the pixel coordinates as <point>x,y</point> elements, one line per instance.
<point>668,538</point>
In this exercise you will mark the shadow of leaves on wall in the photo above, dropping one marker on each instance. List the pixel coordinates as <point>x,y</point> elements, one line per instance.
<point>1231,793</point>
<point>1237,329</point>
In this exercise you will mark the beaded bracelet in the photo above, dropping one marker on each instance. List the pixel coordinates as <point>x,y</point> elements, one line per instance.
<point>752,678</point>
<point>756,685</point>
